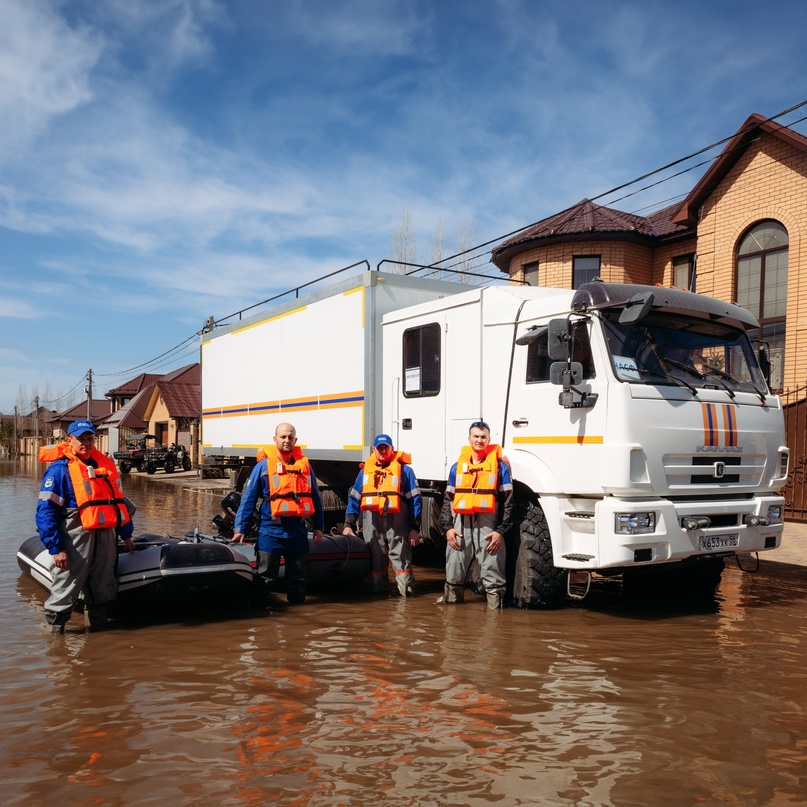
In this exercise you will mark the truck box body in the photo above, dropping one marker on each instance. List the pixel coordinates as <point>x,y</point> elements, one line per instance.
<point>314,361</point>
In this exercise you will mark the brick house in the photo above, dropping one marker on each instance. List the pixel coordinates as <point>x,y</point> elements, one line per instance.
<point>738,236</point>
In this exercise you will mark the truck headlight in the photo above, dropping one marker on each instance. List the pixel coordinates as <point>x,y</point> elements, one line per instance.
<point>775,514</point>
<point>634,523</point>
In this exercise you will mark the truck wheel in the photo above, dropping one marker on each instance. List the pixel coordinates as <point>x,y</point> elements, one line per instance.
<point>169,465</point>
<point>151,468</point>
<point>125,466</point>
<point>139,467</point>
<point>536,582</point>
<point>186,463</point>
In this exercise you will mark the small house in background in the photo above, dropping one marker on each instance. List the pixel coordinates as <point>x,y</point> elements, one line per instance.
<point>173,409</point>
<point>166,406</point>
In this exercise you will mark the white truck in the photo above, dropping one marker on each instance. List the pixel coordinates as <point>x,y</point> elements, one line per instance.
<point>636,420</point>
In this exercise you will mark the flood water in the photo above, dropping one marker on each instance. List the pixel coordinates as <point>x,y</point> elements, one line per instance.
<point>353,700</point>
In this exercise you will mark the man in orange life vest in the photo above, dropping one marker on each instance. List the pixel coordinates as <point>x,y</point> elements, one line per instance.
<point>284,480</point>
<point>476,515</point>
<point>387,493</point>
<point>80,515</point>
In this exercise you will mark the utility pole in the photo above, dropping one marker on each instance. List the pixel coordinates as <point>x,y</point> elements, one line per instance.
<point>36,424</point>
<point>16,434</point>
<point>89,395</point>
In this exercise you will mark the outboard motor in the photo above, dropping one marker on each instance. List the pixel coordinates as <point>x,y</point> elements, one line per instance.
<point>225,523</point>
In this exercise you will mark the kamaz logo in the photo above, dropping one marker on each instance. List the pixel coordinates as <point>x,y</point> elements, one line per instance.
<point>719,449</point>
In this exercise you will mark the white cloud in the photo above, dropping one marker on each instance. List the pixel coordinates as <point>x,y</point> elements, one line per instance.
<point>44,69</point>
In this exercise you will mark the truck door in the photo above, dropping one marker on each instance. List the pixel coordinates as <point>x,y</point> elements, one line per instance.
<point>538,424</point>
<point>436,390</point>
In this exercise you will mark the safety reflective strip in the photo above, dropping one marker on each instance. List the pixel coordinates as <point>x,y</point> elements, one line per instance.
<point>730,425</point>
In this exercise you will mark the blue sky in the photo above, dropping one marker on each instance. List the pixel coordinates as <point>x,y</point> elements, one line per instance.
<point>162,161</point>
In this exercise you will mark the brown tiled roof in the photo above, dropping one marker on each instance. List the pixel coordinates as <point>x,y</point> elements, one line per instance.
<point>189,374</point>
<point>99,409</point>
<point>583,221</point>
<point>181,400</point>
<point>131,414</point>
<point>134,385</point>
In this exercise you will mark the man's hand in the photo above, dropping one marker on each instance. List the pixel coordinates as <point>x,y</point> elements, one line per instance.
<point>348,530</point>
<point>413,538</point>
<point>238,538</point>
<point>129,544</point>
<point>494,540</point>
<point>451,536</point>
<point>318,536</point>
<point>61,560</point>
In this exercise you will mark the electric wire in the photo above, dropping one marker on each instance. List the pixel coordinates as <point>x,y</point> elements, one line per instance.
<point>475,261</point>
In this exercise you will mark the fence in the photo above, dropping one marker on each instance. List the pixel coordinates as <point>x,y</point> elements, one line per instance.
<point>795,491</point>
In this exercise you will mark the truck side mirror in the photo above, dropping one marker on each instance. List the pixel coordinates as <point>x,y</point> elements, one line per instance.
<point>637,308</point>
<point>566,373</point>
<point>560,339</point>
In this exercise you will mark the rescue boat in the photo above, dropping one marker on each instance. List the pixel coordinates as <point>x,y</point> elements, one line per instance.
<point>204,570</point>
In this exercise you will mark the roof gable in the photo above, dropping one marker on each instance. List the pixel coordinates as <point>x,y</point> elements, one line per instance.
<point>747,134</point>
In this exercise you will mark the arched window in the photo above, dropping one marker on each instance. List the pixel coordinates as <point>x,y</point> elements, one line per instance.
<point>762,287</point>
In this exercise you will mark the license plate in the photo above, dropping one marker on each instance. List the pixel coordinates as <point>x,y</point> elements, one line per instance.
<point>718,541</point>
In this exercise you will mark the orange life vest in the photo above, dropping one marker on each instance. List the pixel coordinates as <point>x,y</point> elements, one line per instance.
<point>475,485</point>
<point>290,489</point>
<point>98,491</point>
<point>381,488</point>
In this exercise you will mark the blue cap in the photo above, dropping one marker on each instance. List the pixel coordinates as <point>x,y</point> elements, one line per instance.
<point>79,427</point>
<point>382,440</point>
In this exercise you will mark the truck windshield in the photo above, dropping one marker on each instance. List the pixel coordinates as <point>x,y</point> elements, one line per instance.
<point>665,348</point>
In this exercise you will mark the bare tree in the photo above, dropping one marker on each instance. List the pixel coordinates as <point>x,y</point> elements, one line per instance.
<point>466,238</point>
<point>404,243</point>
<point>438,246</point>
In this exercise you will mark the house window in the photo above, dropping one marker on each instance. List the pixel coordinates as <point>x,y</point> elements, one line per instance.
<point>421,361</point>
<point>531,273</point>
<point>586,268</point>
<point>682,271</point>
<point>762,256</point>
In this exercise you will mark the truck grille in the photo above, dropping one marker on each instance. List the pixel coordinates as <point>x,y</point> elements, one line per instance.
<point>683,471</point>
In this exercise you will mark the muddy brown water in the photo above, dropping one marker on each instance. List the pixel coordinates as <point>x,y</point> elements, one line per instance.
<point>352,700</point>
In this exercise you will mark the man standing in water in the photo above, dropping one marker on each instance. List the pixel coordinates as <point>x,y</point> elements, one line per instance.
<point>283,479</point>
<point>476,515</point>
<point>80,515</point>
<point>387,495</point>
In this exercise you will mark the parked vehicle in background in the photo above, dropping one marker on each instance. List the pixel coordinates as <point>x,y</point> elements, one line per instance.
<point>641,433</point>
<point>144,455</point>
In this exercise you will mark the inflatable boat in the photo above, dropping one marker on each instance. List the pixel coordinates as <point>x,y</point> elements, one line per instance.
<point>162,571</point>
<point>335,561</point>
<point>204,570</point>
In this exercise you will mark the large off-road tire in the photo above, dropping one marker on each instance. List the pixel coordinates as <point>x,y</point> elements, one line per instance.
<point>536,581</point>
<point>169,465</point>
<point>150,467</point>
<point>125,466</point>
<point>186,463</point>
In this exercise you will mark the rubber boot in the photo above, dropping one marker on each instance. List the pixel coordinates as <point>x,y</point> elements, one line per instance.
<point>56,621</point>
<point>453,594</point>
<point>404,582</point>
<point>495,600</point>
<point>96,616</point>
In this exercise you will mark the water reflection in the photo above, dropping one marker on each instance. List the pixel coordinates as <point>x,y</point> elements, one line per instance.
<point>358,700</point>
